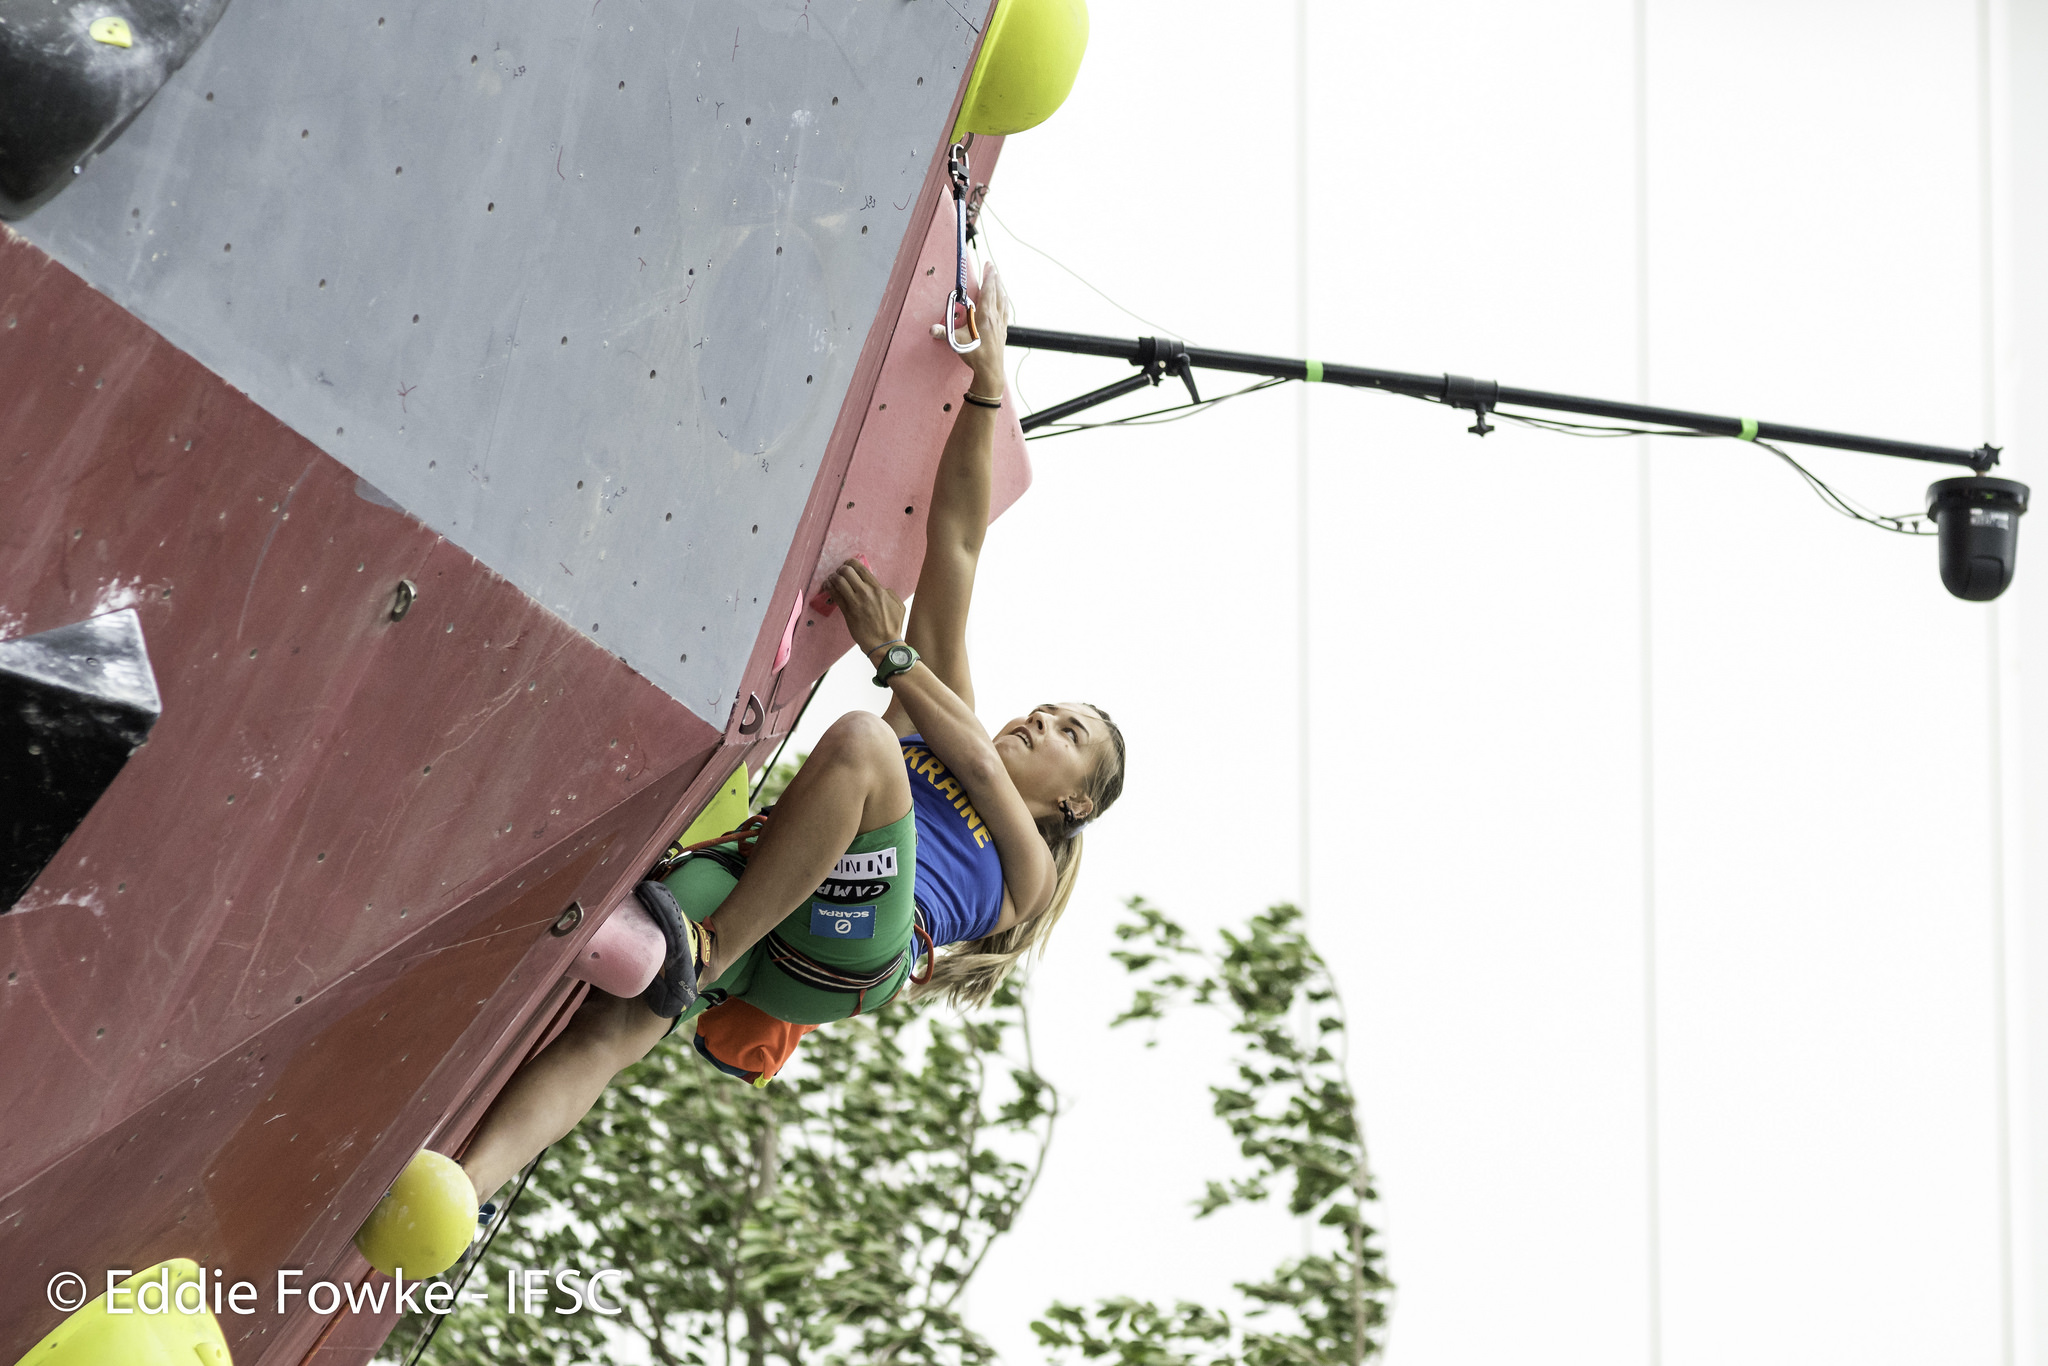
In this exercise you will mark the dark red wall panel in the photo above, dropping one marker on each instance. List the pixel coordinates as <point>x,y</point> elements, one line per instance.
<point>309,921</point>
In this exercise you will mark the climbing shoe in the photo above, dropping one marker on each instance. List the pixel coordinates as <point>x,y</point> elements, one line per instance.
<point>675,988</point>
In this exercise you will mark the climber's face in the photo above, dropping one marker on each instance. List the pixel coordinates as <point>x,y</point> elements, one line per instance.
<point>1051,755</point>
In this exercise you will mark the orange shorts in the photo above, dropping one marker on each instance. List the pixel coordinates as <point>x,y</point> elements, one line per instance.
<point>744,1041</point>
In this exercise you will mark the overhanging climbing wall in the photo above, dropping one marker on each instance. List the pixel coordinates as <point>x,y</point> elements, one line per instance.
<point>580,286</point>
<point>307,929</point>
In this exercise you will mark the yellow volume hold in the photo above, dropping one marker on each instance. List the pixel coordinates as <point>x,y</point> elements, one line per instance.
<point>725,811</point>
<point>150,1326</point>
<point>1028,62</point>
<point>425,1222</point>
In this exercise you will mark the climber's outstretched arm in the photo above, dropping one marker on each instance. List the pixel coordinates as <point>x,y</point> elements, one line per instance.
<point>956,515</point>
<point>953,733</point>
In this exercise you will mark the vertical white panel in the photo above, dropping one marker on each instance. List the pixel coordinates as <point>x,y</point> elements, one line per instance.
<point>1477,682</point>
<point>2025,393</point>
<point>1830,1093</point>
<point>1824,785</point>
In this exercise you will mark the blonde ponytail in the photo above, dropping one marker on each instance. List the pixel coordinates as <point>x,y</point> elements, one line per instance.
<point>967,974</point>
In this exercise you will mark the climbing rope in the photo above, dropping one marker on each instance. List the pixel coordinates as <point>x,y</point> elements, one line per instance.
<point>745,835</point>
<point>473,1259</point>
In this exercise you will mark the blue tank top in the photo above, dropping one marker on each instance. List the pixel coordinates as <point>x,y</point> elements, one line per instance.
<point>959,876</point>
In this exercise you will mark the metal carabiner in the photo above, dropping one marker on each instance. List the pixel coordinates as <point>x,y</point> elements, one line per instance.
<point>956,301</point>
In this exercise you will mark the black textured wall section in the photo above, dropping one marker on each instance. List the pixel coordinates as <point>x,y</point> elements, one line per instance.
<point>75,703</point>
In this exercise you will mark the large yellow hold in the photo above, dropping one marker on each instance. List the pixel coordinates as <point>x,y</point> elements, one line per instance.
<point>425,1223</point>
<point>1027,66</point>
<point>725,811</point>
<point>152,1328</point>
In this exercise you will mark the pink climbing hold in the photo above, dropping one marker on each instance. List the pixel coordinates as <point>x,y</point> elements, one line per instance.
<point>822,604</point>
<point>625,953</point>
<point>796,611</point>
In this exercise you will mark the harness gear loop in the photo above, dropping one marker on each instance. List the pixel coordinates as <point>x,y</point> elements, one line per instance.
<point>957,173</point>
<point>795,963</point>
<point>931,950</point>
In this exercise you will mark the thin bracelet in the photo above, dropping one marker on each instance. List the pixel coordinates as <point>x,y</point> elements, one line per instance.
<point>980,402</point>
<point>898,640</point>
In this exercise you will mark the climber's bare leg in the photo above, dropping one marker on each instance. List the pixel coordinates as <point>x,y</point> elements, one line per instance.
<point>546,1098</point>
<point>853,782</point>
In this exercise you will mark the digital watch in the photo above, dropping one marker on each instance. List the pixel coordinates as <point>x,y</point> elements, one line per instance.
<point>894,658</point>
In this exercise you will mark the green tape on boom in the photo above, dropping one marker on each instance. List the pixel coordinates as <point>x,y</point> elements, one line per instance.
<point>1748,432</point>
<point>1315,371</point>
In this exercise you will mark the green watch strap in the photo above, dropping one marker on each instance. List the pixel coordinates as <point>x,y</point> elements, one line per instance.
<point>898,656</point>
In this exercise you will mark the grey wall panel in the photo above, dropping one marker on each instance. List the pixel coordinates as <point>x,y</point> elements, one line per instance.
<point>580,285</point>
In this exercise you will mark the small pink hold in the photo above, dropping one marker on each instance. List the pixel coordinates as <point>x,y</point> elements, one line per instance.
<point>625,953</point>
<point>823,605</point>
<point>796,612</point>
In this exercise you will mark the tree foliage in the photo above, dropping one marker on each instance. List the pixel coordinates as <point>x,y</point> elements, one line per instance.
<point>834,1215</point>
<point>837,1214</point>
<point>1291,1109</point>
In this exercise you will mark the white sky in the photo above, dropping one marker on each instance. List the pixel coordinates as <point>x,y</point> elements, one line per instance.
<point>1829,926</point>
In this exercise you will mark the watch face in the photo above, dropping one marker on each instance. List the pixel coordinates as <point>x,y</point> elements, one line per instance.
<point>899,657</point>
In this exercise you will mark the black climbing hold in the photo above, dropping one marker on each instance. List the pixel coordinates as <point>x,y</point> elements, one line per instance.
<point>65,95</point>
<point>75,702</point>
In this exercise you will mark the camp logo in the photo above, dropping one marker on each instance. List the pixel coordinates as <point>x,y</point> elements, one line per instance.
<point>846,893</point>
<point>843,922</point>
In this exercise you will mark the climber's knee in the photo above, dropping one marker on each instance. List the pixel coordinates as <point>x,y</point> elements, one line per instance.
<point>859,740</point>
<point>865,745</point>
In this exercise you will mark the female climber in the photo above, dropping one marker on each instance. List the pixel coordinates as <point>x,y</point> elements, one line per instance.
<point>902,833</point>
